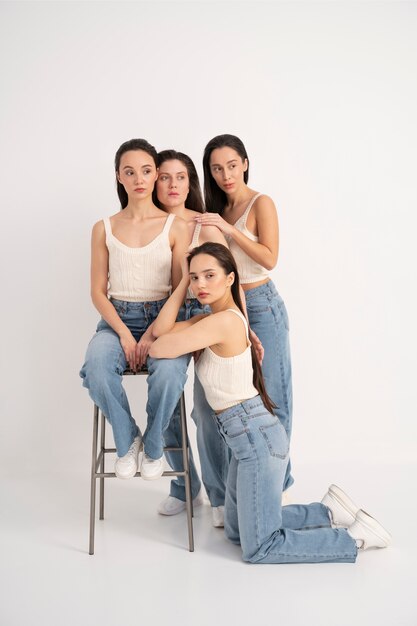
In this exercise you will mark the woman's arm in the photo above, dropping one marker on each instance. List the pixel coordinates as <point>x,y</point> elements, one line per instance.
<point>264,251</point>
<point>179,243</point>
<point>99,282</point>
<point>195,334</point>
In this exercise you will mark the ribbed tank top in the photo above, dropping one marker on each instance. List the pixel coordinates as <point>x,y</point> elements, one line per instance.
<point>139,274</point>
<point>249,270</point>
<point>227,380</point>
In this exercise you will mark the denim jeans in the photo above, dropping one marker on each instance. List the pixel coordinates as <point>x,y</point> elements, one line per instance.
<point>253,515</point>
<point>213,452</point>
<point>268,318</point>
<point>102,375</point>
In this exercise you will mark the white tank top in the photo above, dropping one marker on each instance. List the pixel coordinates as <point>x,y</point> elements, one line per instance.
<point>249,270</point>
<point>139,274</point>
<point>227,380</point>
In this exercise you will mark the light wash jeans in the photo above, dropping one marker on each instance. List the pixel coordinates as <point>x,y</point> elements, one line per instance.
<point>102,374</point>
<point>213,452</point>
<point>253,515</point>
<point>268,318</point>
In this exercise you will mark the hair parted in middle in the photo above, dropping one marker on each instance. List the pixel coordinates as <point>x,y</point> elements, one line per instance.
<point>194,200</point>
<point>127,146</point>
<point>215,199</point>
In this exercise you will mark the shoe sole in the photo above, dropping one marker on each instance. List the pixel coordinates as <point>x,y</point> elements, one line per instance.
<point>373,526</point>
<point>125,477</point>
<point>337,496</point>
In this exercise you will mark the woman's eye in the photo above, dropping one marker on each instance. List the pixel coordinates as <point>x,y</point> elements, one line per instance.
<point>146,172</point>
<point>163,178</point>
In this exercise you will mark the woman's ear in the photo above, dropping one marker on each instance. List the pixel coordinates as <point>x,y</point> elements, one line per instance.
<point>245,165</point>
<point>230,279</point>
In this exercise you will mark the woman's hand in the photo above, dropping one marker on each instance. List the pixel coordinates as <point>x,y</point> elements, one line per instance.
<point>129,343</point>
<point>257,345</point>
<point>214,219</point>
<point>143,346</point>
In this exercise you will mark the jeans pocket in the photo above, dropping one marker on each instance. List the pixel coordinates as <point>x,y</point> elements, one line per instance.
<point>276,439</point>
<point>233,427</point>
<point>120,307</point>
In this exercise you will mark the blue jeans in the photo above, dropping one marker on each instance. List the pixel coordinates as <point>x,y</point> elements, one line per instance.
<point>213,452</point>
<point>268,318</point>
<point>102,375</point>
<point>253,515</point>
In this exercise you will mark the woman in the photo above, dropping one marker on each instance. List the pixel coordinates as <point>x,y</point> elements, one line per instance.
<point>135,260</point>
<point>177,192</point>
<point>234,387</point>
<point>249,222</point>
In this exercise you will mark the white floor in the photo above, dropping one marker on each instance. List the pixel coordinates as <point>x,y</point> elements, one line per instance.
<point>142,569</point>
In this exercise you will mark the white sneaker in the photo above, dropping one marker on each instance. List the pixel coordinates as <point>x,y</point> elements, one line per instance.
<point>126,466</point>
<point>151,469</point>
<point>172,505</point>
<point>368,533</point>
<point>217,513</point>
<point>343,510</point>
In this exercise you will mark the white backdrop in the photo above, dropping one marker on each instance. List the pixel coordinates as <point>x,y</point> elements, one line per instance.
<point>324,96</point>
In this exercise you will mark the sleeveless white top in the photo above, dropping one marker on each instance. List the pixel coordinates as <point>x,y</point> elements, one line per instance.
<point>196,235</point>
<point>249,270</point>
<point>227,380</point>
<point>139,274</point>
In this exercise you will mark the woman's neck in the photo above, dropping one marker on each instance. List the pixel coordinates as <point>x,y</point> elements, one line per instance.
<point>182,212</point>
<point>224,303</point>
<point>240,196</point>
<point>138,208</point>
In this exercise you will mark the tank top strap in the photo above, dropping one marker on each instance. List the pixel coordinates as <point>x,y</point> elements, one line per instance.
<point>107,227</point>
<point>196,236</point>
<point>243,318</point>
<point>168,223</point>
<point>248,208</point>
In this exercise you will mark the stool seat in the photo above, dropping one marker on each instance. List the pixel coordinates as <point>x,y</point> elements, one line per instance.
<point>98,464</point>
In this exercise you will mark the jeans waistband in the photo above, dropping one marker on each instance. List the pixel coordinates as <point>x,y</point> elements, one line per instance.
<point>246,407</point>
<point>138,303</point>
<point>266,289</point>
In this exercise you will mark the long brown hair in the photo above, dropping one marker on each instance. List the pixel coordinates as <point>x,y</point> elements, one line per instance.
<point>194,200</point>
<point>227,262</point>
<point>215,198</point>
<point>132,144</point>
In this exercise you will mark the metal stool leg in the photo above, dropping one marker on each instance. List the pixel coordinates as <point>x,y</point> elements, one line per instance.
<point>93,481</point>
<point>186,466</point>
<point>102,447</point>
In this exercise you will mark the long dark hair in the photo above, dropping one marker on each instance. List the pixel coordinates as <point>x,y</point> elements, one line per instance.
<point>132,144</point>
<point>228,263</point>
<point>194,200</point>
<point>215,199</point>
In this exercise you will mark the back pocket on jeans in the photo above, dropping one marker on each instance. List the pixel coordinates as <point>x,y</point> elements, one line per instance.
<point>276,439</point>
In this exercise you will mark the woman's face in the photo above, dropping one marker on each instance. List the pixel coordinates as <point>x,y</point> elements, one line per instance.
<point>137,173</point>
<point>227,168</point>
<point>208,280</point>
<point>173,184</point>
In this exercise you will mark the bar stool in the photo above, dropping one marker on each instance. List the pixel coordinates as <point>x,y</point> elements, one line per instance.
<point>98,470</point>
